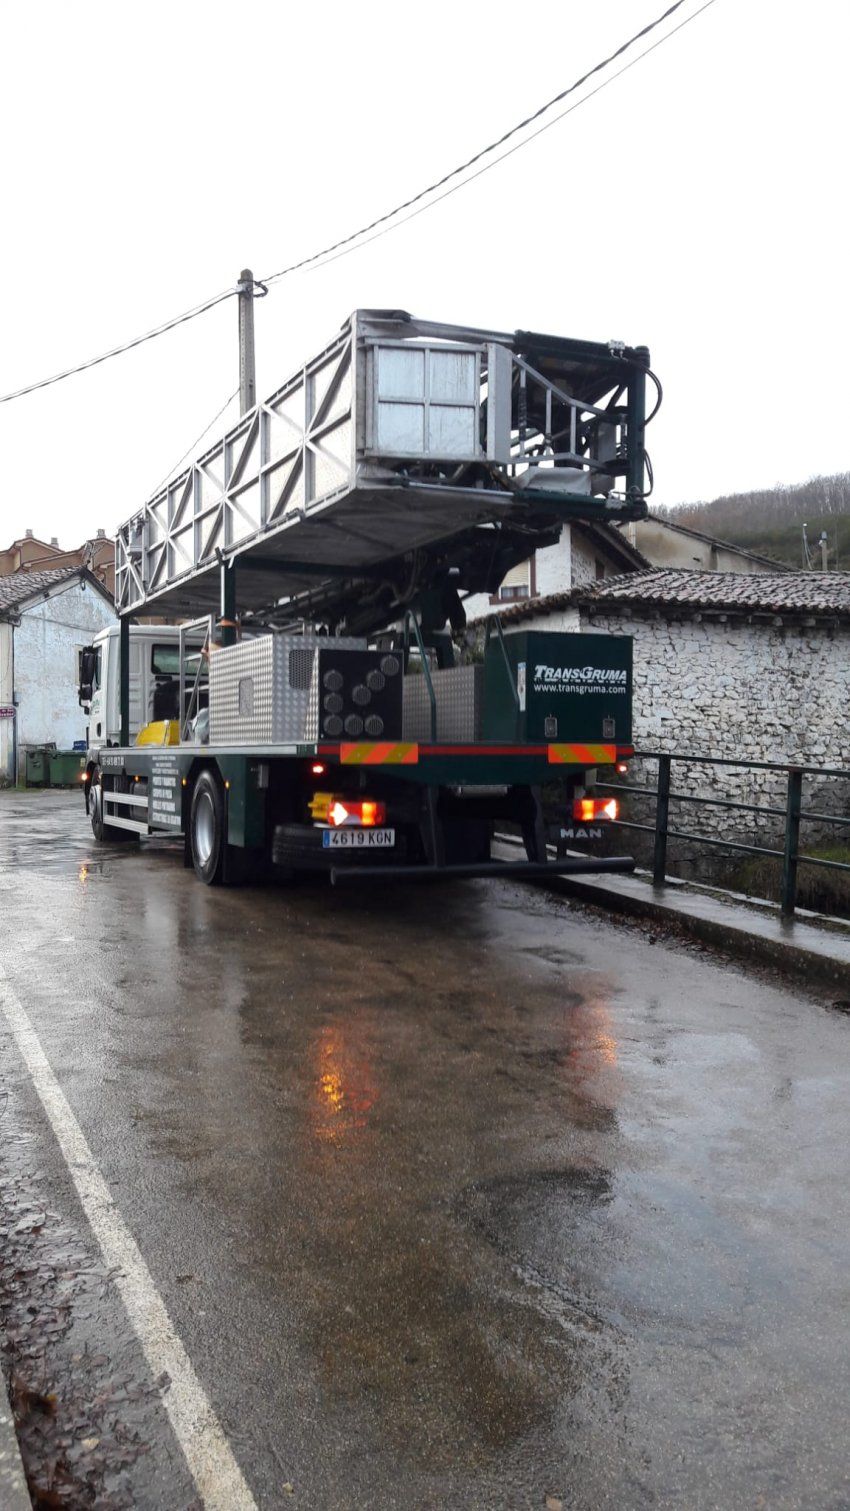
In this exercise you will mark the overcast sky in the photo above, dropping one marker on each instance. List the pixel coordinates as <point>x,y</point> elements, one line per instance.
<point>696,206</point>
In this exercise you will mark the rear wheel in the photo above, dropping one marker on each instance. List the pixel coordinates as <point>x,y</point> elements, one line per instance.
<point>208,829</point>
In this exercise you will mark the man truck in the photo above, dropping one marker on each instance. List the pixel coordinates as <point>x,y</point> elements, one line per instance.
<point>309,710</point>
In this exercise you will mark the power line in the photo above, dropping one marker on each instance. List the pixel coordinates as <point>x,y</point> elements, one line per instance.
<point>651,26</point>
<point>193,445</point>
<point>341,249</point>
<point>346,251</point>
<point>380,225</point>
<point>115,351</point>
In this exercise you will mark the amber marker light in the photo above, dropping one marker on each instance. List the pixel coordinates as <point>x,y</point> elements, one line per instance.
<point>319,806</point>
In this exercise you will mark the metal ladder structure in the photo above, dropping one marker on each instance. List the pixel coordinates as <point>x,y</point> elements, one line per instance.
<point>405,450</point>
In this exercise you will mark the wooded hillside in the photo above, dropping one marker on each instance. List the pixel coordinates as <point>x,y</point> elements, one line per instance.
<point>770,520</point>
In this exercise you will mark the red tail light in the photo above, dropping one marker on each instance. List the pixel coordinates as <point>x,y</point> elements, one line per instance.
<point>590,810</point>
<point>365,815</point>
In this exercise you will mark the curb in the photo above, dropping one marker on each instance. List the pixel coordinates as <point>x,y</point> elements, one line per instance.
<point>14,1495</point>
<point>798,948</point>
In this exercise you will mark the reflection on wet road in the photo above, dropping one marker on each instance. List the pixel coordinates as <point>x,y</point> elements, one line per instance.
<point>455,1199</point>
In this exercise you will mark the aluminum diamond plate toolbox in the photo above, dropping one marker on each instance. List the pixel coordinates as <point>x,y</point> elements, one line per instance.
<point>260,688</point>
<point>459,695</point>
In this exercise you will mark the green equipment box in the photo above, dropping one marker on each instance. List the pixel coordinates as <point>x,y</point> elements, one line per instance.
<point>541,685</point>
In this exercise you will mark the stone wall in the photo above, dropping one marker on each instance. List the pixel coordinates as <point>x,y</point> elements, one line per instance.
<point>756,692</point>
<point>759,692</point>
<point>553,568</point>
<point>584,562</point>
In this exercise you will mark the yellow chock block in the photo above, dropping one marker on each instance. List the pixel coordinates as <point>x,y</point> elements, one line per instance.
<point>160,732</point>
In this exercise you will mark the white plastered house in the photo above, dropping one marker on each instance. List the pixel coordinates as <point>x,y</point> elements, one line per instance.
<point>46,618</point>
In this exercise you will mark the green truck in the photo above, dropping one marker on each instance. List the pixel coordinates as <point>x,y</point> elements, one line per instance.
<point>312,713</point>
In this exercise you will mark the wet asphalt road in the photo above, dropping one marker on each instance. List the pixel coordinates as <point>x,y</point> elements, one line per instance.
<point>456,1198</point>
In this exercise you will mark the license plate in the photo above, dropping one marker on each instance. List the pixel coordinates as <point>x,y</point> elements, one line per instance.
<point>358,839</point>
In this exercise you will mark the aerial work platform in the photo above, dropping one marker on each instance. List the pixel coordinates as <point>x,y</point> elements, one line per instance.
<point>398,444</point>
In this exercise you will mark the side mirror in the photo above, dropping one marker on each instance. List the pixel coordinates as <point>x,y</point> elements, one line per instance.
<point>88,665</point>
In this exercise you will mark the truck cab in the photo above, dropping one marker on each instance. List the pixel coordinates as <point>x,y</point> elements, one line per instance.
<point>154,680</point>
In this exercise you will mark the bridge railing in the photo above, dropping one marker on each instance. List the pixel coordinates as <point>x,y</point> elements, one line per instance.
<point>792,812</point>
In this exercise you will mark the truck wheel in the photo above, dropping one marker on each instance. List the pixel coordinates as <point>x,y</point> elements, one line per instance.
<point>207,830</point>
<point>96,807</point>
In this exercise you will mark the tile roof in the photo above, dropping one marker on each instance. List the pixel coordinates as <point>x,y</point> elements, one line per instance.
<point>771,592</point>
<point>810,593</point>
<point>20,587</point>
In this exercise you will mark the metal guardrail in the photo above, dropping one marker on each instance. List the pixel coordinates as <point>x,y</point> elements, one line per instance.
<point>793,813</point>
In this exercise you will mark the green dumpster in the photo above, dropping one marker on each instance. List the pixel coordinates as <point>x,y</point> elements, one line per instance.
<point>36,768</point>
<point>65,768</point>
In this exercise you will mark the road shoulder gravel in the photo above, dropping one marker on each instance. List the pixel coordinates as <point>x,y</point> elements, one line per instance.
<point>14,1495</point>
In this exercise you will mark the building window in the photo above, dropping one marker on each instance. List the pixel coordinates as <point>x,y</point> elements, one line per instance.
<point>517,583</point>
<point>600,569</point>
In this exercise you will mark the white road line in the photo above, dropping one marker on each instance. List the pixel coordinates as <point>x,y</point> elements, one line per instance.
<point>214,1469</point>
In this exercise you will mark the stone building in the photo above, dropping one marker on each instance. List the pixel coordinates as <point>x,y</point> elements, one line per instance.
<point>46,617</point>
<point>747,667</point>
<point>585,553</point>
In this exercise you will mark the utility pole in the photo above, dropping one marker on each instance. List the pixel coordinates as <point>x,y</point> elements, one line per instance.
<point>247,365</point>
<point>824,551</point>
<point>247,400</point>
